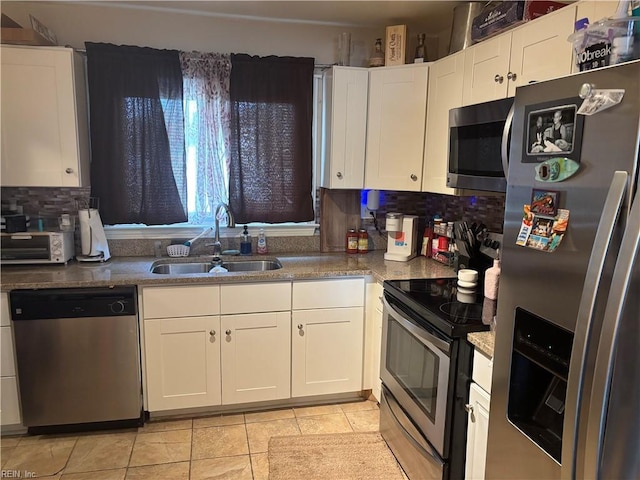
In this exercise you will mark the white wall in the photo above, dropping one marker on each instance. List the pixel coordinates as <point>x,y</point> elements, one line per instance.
<point>76,23</point>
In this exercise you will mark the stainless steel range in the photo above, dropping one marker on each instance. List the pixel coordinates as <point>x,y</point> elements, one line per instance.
<point>426,373</point>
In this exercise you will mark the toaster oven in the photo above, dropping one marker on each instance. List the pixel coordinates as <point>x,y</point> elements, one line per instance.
<point>25,248</point>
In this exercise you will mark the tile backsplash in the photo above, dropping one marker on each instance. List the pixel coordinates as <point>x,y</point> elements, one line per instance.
<point>489,210</point>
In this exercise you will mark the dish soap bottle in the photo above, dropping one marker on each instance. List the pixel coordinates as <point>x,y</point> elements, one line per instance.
<point>491,279</point>
<point>262,242</point>
<point>245,243</point>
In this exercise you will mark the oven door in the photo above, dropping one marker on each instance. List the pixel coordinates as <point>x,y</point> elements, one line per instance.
<point>415,369</point>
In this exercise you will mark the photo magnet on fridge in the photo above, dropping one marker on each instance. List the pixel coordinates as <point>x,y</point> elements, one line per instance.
<point>553,129</point>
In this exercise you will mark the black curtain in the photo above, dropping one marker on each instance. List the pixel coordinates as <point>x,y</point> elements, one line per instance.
<point>137,134</point>
<point>270,175</point>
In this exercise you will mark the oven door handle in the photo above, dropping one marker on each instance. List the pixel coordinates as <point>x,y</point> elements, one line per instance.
<point>418,332</point>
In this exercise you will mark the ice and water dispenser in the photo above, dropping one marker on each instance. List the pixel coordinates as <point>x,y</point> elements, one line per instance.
<point>538,382</point>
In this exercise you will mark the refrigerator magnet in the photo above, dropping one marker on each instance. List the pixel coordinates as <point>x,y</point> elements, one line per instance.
<point>544,202</point>
<point>556,170</point>
<point>542,232</point>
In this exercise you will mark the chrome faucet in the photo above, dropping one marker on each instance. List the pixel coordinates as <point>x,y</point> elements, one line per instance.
<point>217,247</point>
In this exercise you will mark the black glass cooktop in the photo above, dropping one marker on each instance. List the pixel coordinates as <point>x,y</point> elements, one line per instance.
<point>450,308</point>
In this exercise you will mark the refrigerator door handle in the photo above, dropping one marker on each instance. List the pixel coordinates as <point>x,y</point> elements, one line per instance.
<point>505,141</point>
<point>601,247</point>
<point>614,312</point>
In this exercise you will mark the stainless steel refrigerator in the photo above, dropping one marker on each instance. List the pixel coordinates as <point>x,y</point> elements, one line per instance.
<point>565,401</point>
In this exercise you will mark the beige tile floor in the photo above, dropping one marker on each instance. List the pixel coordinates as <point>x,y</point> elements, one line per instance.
<point>226,447</point>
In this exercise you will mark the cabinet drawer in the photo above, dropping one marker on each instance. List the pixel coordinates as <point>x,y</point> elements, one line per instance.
<point>482,370</point>
<point>191,301</point>
<point>255,297</point>
<point>348,292</point>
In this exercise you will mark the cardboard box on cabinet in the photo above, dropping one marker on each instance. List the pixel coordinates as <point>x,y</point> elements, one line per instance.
<point>508,15</point>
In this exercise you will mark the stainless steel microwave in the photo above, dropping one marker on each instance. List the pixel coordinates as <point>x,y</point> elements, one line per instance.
<point>478,145</point>
<point>27,248</point>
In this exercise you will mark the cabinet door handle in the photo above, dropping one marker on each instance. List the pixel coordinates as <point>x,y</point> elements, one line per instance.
<point>469,409</point>
<point>69,170</point>
<point>212,333</point>
<point>339,174</point>
<point>498,78</point>
<point>228,332</point>
<point>414,177</point>
<point>511,76</point>
<point>300,326</point>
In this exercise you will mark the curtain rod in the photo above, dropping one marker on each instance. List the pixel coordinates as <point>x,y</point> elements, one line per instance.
<point>317,65</point>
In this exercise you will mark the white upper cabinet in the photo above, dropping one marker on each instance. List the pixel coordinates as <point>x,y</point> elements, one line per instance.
<point>345,127</point>
<point>533,52</point>
<point>446,77</point>
<point>396,127</point>
<point>541,51</point>
<point>486,65</point>
<point>45,138</point>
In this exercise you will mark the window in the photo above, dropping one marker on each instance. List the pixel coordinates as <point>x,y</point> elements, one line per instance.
<point>251,150</point>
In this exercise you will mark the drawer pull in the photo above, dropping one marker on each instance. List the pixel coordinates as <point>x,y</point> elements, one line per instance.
<point>228,332</point>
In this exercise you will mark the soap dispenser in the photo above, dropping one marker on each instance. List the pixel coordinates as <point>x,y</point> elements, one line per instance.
<point>245,243</point>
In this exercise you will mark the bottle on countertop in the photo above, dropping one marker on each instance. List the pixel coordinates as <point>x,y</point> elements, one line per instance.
<point>262,242</point>
<point>491,280</point>
<point>352,241</point>
<point>427,238</point>
<point>245,243</point>
<point>363,241</point>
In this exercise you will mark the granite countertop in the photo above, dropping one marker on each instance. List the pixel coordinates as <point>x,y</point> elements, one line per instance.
<point>136,271</point>
<point>483,341</point>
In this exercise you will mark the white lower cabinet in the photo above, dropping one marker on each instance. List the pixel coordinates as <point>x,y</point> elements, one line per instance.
<point>209,345</point>
<point>478,417</point>
<point>373,339</point>
<point>477,432</point>
<point>183,362</point>
<point>327,339</point>
<point>256,360</point>
<point>9,400</point>
<point>326,352</point>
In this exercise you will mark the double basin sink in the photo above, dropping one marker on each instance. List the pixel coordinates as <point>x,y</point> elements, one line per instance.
<point>169,268</point>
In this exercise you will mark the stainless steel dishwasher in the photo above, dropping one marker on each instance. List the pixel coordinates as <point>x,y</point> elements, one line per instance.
<point>78,355</point>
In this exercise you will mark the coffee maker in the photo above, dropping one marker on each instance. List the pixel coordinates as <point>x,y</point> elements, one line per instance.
<point>92,237</point>
<point>402,237</point>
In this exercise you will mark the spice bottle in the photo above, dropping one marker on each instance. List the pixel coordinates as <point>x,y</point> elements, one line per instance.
<point>491,280</point>
<point>363,241</point>
<point>352,241</point>
<point>427,238</point>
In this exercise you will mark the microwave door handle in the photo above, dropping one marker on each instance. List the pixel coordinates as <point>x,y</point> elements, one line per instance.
<point>418,332</point>
<point>505,140</point>
<point>616,312</point>
<point>599,254</point>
